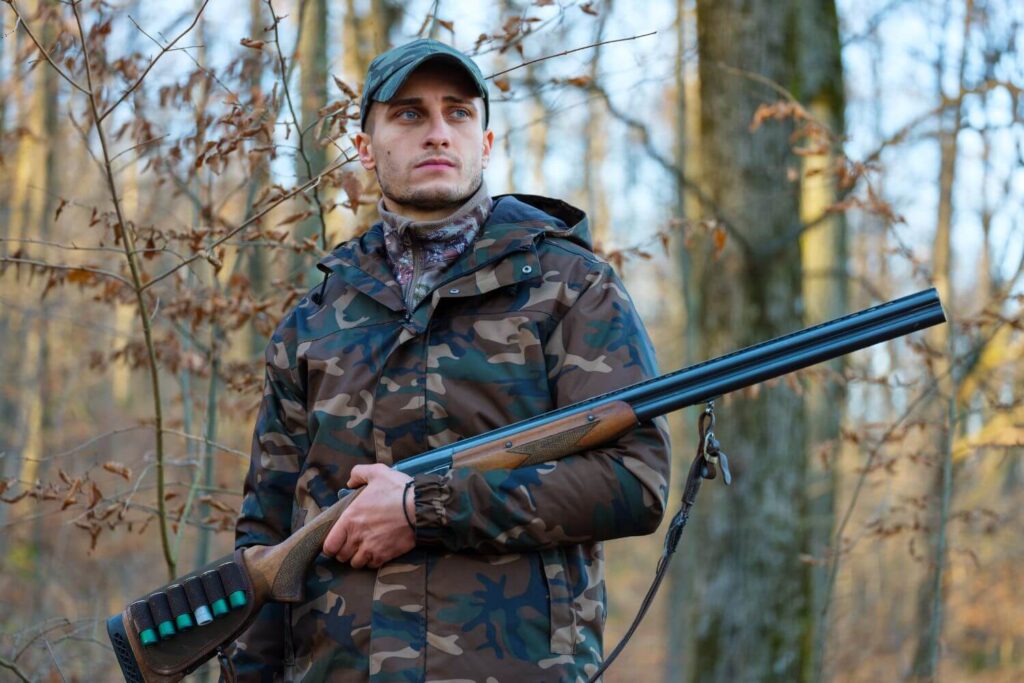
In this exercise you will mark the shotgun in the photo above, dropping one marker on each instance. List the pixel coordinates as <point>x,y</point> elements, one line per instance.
<point>168,633</point>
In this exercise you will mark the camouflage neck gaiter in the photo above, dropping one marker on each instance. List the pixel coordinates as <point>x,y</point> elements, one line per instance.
<point>420,251</point>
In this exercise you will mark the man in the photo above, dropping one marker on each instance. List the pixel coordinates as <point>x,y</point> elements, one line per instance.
<point>456,314</point>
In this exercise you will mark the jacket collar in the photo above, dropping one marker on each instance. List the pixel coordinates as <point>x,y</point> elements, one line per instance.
<point>504,252</point>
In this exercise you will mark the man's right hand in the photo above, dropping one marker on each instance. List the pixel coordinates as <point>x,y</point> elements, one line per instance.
<point>374,529</point>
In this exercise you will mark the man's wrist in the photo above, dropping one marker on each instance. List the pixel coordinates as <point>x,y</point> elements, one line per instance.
<point>406,505</point>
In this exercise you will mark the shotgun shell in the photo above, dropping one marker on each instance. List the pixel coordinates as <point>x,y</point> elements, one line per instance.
<point>160,608</point>
<point>197,600</point>
<point>215,593</point>
<point>179,607</point>
<point>143,620</point>
<point>234,584</point>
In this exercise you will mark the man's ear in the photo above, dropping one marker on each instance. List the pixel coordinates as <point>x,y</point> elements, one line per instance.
<point>364,146</point>
<point>488,143</point>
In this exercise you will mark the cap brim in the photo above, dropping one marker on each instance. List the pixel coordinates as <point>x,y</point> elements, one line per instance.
<point>393,84</point>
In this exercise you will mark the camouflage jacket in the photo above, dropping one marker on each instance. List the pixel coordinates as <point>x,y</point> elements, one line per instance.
<point>506,582</point>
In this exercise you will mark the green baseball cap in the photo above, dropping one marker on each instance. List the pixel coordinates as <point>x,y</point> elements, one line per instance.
<point>389,70</point>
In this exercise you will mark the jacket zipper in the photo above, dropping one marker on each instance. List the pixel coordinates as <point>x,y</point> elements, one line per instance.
<point>410,304</point>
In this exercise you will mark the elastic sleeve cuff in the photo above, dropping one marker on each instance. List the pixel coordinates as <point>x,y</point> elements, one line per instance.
<point>431,494</point>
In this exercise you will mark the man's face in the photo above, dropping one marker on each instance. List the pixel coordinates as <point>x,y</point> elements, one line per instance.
<point>427,144</point>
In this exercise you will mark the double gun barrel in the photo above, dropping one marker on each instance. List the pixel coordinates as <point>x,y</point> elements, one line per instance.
<point>155,639</point>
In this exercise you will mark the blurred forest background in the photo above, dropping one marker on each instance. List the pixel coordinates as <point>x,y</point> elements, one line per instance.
<point>172,170</point>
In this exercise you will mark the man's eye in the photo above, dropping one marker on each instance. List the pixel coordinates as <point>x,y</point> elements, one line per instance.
<point>461,113</point>
<point>408,115</point>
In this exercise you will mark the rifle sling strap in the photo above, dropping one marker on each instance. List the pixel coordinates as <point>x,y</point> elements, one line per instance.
<point>702,467</point>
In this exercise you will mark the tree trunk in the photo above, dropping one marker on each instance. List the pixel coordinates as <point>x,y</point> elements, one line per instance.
<point>313,95</point>
<point>819,80</point>
<point>683,570</point>
<point>750,600</point>
<point>37,212</point>
<point>943,411</point>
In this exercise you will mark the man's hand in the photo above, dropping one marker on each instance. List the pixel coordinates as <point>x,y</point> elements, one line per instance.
<point>373,529</point>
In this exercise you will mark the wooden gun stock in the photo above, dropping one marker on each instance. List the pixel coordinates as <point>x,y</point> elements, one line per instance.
<point>276,573</point>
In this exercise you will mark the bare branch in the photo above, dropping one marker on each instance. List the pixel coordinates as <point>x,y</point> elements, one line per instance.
<point>566,52</point>
<point>249,221</point>
<point>207,441</point>
<point>152,62</point>
<point>35,41</point>
<point>645,136</point>
<point>128,242</point>
<point>53,656</point>
<point>141,144</point>
<point>57,266</point>
<point>298,128</point>
<point>58,245</point>
<point>13,668</point>
<point>185,49</point>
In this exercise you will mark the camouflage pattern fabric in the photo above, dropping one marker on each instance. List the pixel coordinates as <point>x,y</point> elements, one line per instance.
<point>419,252</point>
<point>506,583</point>
<point>388,71</point>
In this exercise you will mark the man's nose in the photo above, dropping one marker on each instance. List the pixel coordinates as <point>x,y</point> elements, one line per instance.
<point>439,133</point>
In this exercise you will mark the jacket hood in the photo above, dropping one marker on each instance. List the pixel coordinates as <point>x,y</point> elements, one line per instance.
<point>557,218</point>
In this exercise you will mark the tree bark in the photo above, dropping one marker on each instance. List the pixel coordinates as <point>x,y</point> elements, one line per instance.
<point>313,88</point>
<point>750,599</point>
<point>943,411</point>
<point>819,85</point>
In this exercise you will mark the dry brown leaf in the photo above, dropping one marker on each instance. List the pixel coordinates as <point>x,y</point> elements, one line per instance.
<point>71,498</point>
<point>95,495</point>
<point>118,469</point>
<point>216,504</point>
<point>254,44</point>
<point>353,189</point>
<point>719,236</point>
<point>345,88</point>
<point>502,84</point>
<point>80,276</point>
<point>295,218</point>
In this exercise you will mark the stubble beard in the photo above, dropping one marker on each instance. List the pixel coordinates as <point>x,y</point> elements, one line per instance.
<point>431,199</point>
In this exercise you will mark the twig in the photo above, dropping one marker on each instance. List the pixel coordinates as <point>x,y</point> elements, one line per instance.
<point>706,201</point>
<point>207,441</point>
<point>13,668</point>
<point>141,144</point>
<point>185,49</point>
<point>252,219</point>
<point>57,266</point>
<point>128,241</point>
<point>834,569</point>
<point>56,664</point>
<point>58,245</point>
<point>932,387</point>
<point>35,41</point>
<point>151,64</point>
<point>298,128</point>
<point>566,52</point>
<point>82,446</point>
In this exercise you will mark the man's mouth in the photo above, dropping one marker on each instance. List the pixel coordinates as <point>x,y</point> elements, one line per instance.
<point>436,163</point>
